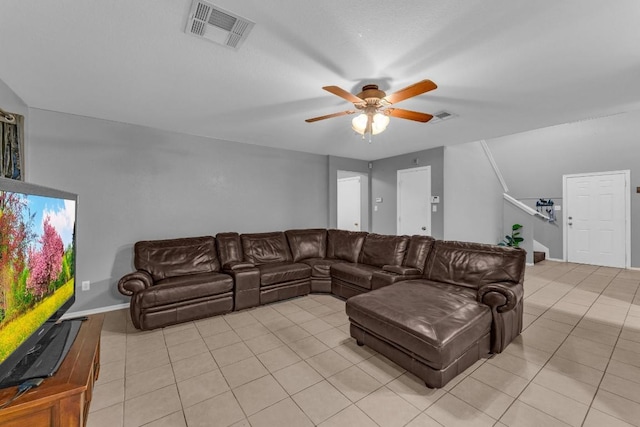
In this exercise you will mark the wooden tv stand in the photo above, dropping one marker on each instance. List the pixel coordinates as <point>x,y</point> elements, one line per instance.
<point>62,400</point>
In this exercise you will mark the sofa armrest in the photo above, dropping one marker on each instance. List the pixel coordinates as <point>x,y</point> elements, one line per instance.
<point>134,282</point>
<point>501,297</point>
<point>402,270</point>
<point>237,265</point>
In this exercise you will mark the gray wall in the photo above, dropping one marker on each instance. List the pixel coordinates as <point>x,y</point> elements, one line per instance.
<point>474,195</point>
<point>136,183</point>
<point>533,163</point>
<point>384,184</point>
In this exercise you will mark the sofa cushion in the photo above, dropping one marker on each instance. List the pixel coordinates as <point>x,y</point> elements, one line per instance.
<point>417,252</point>
<point>427,321</point>
<point>379,250</point>
<point>474,264</point>
<point>176,257</point>
<point>356,274</point>
<point>185,288</point>
<point>309,243</point>
<point>321,268</point>
<point>271,274</point>
<point>229,248</point>
<point>345,245</point>
<point>265,248</point>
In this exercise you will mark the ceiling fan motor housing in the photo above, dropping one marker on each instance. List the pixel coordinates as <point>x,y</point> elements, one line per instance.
<point>371,94</point>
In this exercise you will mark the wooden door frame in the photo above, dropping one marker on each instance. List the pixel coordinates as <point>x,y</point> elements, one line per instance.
<point>627,213</point>
<point>416,169</point>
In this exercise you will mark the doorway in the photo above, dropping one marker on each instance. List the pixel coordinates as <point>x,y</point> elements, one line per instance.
<point>597,218</point>
<point>352,201</point>
<point>414,201</point>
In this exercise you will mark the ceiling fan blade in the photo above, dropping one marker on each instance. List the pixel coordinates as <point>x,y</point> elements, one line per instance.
<point>330,116</point>
<point>343,94</point>
<point>410,91</point>
<point>409,115</point>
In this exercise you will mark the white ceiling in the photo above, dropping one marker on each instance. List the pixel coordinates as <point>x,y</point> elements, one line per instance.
<point>502,66</point>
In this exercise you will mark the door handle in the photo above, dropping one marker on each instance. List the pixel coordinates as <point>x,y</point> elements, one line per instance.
<point>424,228</point>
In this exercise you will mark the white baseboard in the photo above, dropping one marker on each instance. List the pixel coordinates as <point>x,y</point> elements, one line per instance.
<point>71,315</point>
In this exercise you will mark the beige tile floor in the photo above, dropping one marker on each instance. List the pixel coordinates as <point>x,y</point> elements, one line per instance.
<point>293,363</point>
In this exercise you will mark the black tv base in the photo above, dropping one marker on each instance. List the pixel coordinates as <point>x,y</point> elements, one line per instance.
<point>45,358</point>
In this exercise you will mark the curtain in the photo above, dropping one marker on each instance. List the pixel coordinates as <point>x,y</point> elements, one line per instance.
<point>11,153</point>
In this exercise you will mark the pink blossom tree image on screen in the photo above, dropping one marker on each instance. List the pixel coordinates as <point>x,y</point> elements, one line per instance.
<point>45,264</point>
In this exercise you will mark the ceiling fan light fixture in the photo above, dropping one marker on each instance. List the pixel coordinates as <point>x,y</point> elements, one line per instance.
<point>379,123</point>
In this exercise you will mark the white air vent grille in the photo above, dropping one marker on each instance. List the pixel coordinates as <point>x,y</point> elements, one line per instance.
<point>197,28</point>
<point>441,115</point>
<point>222,20</point>
<point>217,25</point>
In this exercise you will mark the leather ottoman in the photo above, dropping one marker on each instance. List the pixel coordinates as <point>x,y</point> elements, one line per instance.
<point>433,330</point>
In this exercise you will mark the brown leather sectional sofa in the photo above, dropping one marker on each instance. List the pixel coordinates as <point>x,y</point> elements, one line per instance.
<point>434,307</point>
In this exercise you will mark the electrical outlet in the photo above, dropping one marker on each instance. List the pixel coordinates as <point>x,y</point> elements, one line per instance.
<point>86,285</point>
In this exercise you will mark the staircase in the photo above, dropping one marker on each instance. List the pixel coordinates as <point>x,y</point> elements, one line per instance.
<point>538,256</point>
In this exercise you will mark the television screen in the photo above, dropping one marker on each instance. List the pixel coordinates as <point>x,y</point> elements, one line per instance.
<point>37,265</point>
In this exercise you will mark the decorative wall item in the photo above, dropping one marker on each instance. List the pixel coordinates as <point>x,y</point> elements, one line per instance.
<point>546,206</point>
<point>11,145</point>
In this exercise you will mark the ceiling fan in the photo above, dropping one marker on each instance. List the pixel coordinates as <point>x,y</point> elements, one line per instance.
<point>374,103</point>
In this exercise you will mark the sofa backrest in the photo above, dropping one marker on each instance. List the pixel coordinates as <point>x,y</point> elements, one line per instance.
<point>474,264</point>
<point>176,257</point>
<point>229,247</point>
<point>345,245</point>
<point>417,252</point>
<point>265,248</point>
<point>379,250</point>
<point>308,243</point>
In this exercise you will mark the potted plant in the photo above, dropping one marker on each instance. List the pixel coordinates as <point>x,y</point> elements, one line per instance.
<point>514,239</point>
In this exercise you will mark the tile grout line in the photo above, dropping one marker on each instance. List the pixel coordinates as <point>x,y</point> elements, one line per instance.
<point>609,360</point>
<point>556,350</point>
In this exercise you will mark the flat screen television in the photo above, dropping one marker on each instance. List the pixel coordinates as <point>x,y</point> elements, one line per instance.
<point>37,279</point>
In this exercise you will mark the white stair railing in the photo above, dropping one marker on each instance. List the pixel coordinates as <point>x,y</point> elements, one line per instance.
<point>517,203</point>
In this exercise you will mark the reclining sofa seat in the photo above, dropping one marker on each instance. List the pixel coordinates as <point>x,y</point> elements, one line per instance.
<point>382,261</point>
<point>467,304</point>
<point>280,277</point>
<point>177,280</point>
<point>309,246</point>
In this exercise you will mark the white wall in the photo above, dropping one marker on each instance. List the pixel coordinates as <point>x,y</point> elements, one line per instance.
<point>473,195</point>
<point>136,183</point>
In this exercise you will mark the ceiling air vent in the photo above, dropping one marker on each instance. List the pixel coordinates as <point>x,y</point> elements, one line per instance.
<point>441,115</point>
<point>217,25</point>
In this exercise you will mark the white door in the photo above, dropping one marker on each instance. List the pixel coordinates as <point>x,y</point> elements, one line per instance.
<point>596,218</point>
<point>349,203</point>
<point>414,201</point>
